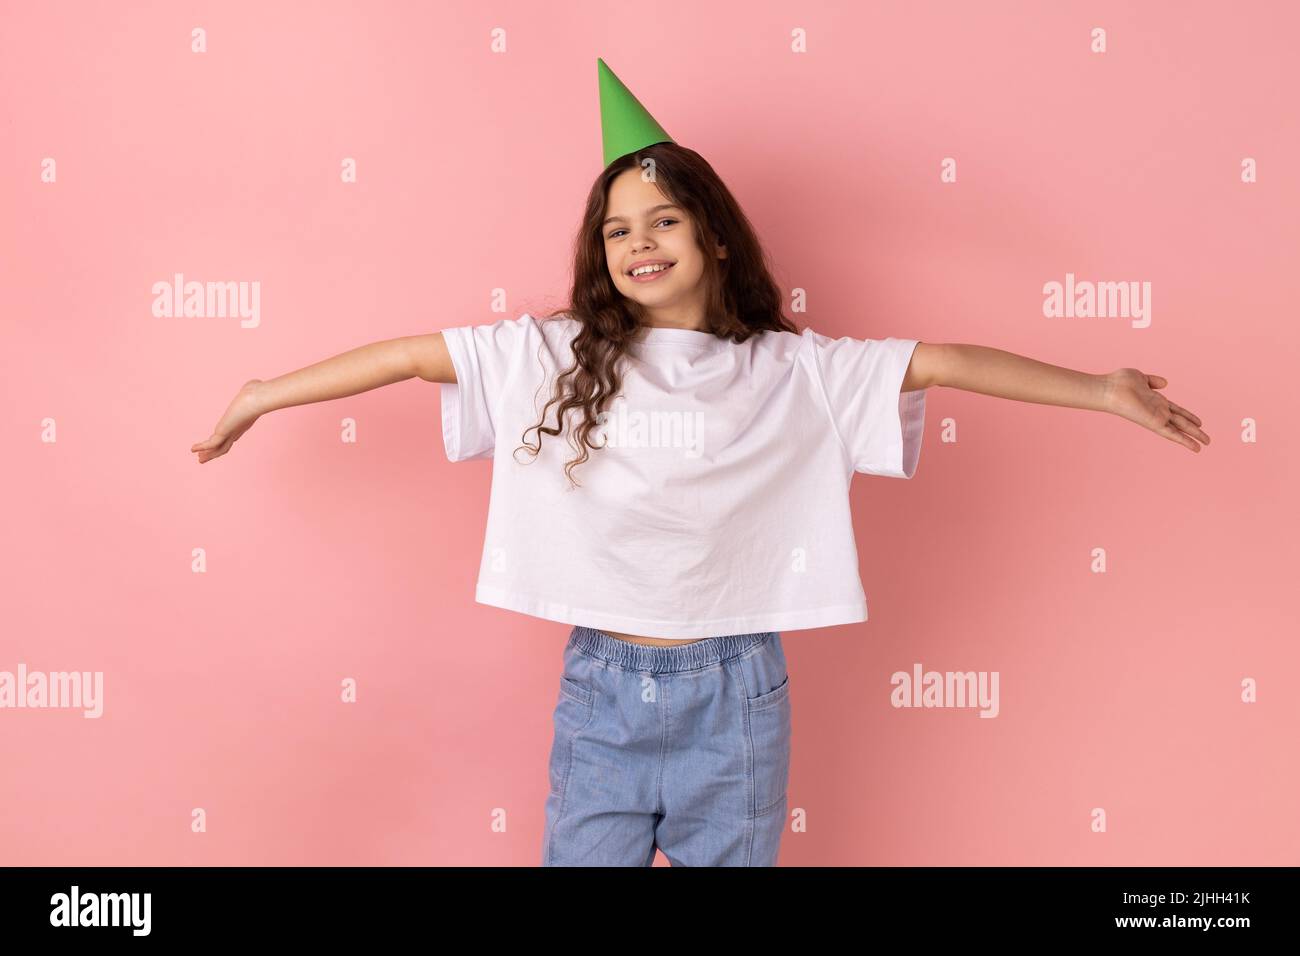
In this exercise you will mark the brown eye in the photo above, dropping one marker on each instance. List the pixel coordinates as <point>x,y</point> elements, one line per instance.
<point>617,231</point>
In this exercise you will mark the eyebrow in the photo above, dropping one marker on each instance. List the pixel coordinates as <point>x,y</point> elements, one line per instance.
<point>649,212</point>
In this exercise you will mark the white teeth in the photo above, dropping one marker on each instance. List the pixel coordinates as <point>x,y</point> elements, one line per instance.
<point>644,270</point>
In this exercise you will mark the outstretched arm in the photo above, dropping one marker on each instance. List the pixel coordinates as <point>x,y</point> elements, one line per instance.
<point>1126,392</point>
<point>361,369</point>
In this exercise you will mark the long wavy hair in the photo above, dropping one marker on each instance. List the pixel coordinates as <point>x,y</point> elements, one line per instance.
<point>742,297</point>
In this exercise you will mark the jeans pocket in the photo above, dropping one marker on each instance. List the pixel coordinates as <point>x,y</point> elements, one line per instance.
<point>768,717</point>
<point>574,709</point>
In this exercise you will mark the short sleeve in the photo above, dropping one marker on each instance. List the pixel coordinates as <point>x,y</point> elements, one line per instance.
<point>879,424</point>
<point>485,357</point>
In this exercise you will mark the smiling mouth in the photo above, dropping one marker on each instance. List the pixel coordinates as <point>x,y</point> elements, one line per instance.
<point>646,275</point>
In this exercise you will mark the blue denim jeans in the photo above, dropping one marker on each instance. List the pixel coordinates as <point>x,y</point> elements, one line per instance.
<point>681,747</point>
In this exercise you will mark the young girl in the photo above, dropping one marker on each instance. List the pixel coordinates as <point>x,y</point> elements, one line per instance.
<point>706,508</point>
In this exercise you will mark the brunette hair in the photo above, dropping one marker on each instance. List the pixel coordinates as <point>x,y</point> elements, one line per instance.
<point>742,297</point>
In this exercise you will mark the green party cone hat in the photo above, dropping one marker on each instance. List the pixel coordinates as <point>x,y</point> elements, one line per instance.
<point>625,125</point>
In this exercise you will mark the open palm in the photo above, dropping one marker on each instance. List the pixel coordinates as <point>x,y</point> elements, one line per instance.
<point>1132,394</point>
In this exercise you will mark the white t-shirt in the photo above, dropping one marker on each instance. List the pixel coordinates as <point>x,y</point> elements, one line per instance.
<point>720,503</point>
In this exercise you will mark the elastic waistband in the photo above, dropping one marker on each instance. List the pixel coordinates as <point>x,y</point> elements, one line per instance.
<point>664,658</point>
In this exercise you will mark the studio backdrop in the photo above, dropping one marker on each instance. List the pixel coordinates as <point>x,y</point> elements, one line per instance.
<point>276,657</point>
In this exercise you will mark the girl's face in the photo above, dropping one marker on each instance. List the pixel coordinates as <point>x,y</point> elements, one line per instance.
<point>642,227</point>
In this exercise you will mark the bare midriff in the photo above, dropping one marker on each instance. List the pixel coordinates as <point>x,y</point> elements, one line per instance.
<point>657,641</point>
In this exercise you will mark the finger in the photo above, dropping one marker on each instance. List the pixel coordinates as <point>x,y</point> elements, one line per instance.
<point>1174,435</point>
<point>1183,424</point>
<point>217,452</point>
<point>1187,434</point>
<point>1184,412</point>
<point>1155,381</point>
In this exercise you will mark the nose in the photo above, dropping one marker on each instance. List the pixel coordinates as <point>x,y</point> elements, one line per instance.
<point>642,242</point>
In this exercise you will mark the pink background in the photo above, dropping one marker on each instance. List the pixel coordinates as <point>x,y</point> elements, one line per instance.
<point>329,561</point>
